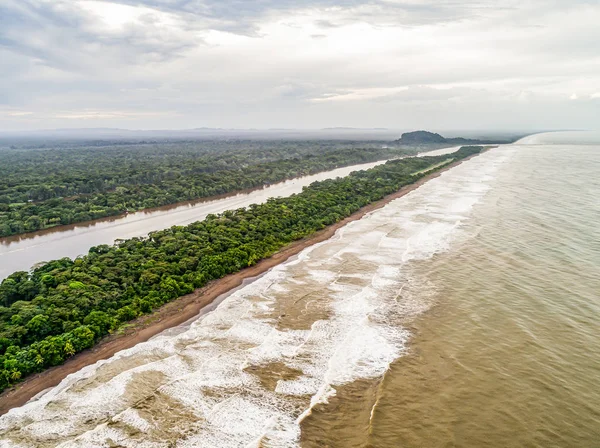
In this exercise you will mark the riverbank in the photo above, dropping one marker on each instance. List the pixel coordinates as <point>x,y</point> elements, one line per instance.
<point>59,228</point>
<point>20,253</point>
<point>184,308</point>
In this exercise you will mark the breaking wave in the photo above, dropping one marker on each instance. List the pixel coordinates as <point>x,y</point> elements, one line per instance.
<point>248,372</point>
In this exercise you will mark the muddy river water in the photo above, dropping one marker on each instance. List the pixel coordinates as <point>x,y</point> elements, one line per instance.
<point>464,314</point>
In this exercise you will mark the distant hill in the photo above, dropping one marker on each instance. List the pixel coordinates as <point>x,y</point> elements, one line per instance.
<point>417,138</point>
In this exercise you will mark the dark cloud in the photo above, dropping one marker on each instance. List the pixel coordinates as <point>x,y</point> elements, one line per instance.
<point>26,27</point>
<point>64,36</point>
<point>326,24</point>
<point>61,34</point>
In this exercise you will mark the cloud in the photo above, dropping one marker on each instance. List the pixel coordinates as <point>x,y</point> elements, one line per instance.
<point>72,35</point>
<point>361,94</point>
<point>326,24</point>
<point>316,63</point>
<point>96,114</point>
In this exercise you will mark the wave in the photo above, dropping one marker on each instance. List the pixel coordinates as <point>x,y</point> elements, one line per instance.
<point>249,372</point>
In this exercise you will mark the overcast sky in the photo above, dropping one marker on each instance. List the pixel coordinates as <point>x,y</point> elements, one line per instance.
<point>402,64</point>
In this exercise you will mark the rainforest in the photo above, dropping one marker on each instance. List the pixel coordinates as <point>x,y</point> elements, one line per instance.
<point>66,306</point>
<point>42,188</point>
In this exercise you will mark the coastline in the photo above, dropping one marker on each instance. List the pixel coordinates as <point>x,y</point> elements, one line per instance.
<point>166,207</point>
<point>186,307</point>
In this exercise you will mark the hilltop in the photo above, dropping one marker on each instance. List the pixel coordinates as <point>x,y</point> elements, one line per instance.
<point>417,138</point>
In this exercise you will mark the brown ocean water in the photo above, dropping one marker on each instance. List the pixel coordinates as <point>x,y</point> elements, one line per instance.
<point>465,314</point>
<point>508,355</point>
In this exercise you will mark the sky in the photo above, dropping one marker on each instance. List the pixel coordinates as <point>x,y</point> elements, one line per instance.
<point>400,64</point>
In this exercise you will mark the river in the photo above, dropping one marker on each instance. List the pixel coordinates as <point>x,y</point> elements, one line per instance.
<point>463,314</point>
<point>21,252</point>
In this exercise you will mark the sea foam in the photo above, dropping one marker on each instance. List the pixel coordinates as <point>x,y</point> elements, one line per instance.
<point>249,372</point>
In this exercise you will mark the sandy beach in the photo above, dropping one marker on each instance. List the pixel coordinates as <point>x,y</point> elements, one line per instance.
<point>183,309</point>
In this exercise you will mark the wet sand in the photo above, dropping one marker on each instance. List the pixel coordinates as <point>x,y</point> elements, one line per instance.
<point>184,308</point>
<point>507,355</point>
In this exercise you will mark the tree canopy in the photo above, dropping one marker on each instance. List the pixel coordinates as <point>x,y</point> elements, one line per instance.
<point>66,306</point>
<point>43,188</point>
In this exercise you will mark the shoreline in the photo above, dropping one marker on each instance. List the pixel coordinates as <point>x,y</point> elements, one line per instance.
<point>162,208</point>
<point>111,218</point>
<point>188,306</point>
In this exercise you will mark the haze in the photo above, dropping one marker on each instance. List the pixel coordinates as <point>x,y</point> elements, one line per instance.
<point>170,64</point>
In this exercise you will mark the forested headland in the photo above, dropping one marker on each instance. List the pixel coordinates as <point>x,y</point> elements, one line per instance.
<point>66,306</point>
<point>417,138</point>
<point>46,187</point>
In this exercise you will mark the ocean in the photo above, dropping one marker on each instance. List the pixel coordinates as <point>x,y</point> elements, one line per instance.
<point>462,314</point>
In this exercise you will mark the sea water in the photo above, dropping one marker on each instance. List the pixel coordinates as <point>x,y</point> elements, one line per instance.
<point>462,314</point>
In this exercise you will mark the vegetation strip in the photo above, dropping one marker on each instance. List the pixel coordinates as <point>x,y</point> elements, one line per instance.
<point>66,306</point>
<point>49,188</point>
<point>431,168</point>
